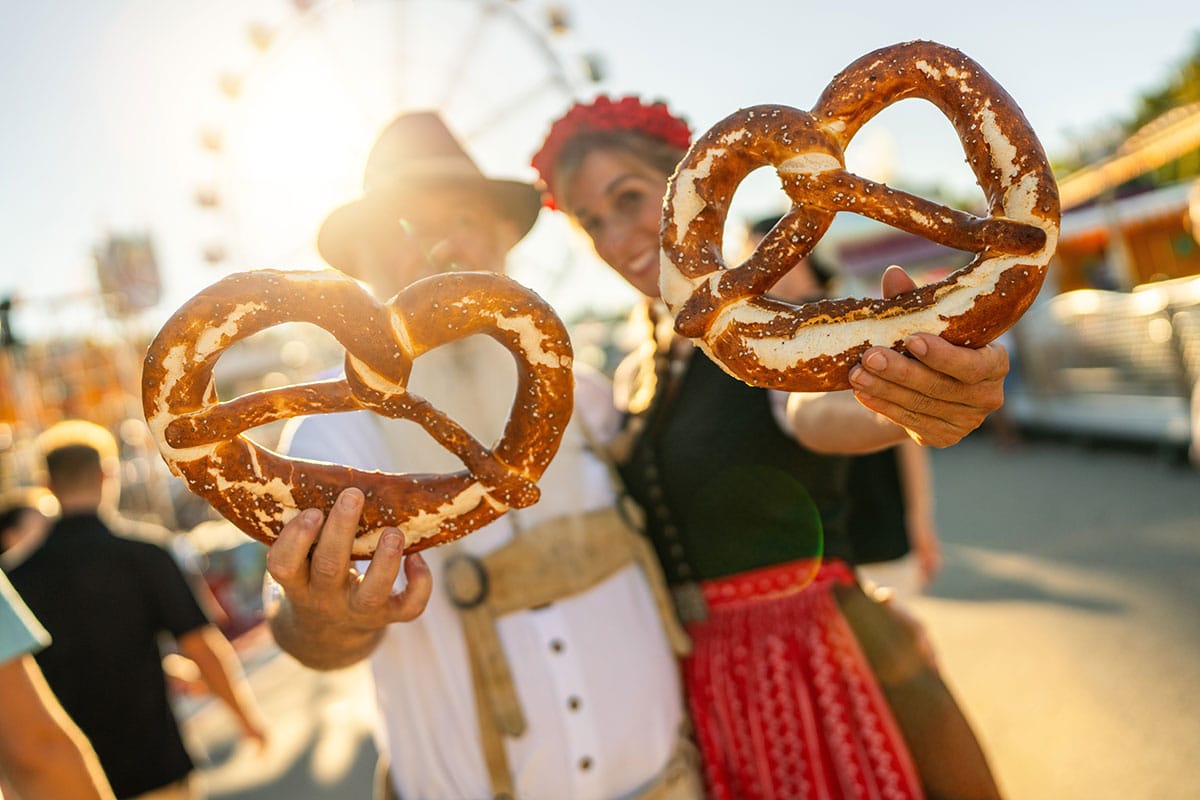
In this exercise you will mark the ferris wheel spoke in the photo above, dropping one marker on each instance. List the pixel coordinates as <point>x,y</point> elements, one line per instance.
<point>402,50</point>
<point>468,47</point>
<point>512,106</point>
<point>329,79</point>
<point>362,104</point>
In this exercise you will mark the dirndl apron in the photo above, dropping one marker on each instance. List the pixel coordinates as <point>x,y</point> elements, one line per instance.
<point>785,704</point>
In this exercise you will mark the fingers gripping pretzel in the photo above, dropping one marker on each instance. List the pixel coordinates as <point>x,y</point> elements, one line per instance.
<point>258,490</point>
<point>813,346</point>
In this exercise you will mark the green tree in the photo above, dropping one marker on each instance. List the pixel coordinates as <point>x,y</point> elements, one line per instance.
<point>1180,88</point>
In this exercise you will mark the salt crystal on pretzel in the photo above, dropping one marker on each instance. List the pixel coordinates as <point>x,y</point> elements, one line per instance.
<point>812,347</point>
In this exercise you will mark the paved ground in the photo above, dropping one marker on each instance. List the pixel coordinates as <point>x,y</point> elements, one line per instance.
<point>1068,616</point>
<point>1067,620</point>
<point>321,738</point>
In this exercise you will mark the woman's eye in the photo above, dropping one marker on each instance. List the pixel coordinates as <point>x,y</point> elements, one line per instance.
<point>629,201</point>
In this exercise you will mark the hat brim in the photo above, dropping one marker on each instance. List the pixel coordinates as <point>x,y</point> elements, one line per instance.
<point>369,220</point>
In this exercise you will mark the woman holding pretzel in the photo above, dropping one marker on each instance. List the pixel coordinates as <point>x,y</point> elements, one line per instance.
<point>800,686</point>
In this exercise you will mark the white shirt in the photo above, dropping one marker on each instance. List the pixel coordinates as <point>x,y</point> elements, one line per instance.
<point>594,672</point>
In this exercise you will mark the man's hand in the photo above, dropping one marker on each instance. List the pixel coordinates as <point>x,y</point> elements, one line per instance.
<point>330,615</point>
<point>940,394</point>
<point>928,550</point>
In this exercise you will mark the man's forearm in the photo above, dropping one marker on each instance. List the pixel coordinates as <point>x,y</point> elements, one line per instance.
<point>319,646</point>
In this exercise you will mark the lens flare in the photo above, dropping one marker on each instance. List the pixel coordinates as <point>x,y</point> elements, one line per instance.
<point>754,516</point>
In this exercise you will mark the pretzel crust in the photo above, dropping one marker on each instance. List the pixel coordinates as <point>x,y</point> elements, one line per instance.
<point>812,347</point>
<point>258,490</point>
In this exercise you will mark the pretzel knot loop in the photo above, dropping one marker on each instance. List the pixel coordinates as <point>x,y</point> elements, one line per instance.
<point>202,439</point>
<point>812,347</point>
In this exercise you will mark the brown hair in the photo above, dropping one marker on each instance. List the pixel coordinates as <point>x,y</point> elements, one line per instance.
<point>651,151</point>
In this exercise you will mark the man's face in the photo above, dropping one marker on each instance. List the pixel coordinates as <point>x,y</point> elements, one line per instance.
<point>445,229</point>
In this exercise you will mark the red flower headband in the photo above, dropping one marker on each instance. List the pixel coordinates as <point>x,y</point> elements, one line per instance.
<point>603,114</point>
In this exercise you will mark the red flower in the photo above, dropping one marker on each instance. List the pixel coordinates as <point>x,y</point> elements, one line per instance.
<point>603,114</point>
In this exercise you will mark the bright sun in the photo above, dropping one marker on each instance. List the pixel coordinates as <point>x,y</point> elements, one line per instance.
<point>305,115</point>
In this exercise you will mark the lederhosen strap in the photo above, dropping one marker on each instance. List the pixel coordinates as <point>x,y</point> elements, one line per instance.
<point>550,562</point>
<point>554,560</point>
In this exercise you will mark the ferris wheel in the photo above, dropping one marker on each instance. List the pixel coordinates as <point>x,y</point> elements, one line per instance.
<point>318,83</point>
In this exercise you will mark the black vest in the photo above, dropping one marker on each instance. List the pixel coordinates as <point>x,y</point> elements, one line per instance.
<point>723,488</point>
<point>876,523</point>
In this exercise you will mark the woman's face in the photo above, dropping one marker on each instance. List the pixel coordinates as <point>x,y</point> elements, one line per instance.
<point>617,199</point>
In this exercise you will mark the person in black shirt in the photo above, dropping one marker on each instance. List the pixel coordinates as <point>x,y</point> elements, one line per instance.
<point>105,600</point>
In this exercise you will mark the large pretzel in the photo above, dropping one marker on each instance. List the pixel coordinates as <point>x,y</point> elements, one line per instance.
<point>813,346</point>
<point>258,490</point>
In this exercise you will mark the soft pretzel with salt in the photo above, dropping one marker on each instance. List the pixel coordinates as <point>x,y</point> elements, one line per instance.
<point>202,439</point>
<point>812,347</point>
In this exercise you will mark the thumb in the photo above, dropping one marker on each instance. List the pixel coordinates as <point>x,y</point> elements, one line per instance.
<point>895,281</point>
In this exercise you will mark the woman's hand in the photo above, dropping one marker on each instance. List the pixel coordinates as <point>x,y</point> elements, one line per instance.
<point>940,394</point>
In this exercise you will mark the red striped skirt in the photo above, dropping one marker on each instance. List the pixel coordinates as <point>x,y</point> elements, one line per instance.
<point>784,702</point>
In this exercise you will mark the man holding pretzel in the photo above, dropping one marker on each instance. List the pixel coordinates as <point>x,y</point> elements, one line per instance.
<point>533,658</point>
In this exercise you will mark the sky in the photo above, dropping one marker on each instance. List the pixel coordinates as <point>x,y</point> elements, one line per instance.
<point>104,106</point>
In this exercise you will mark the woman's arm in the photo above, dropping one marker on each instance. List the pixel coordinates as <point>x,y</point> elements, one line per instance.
<point>835,422</point>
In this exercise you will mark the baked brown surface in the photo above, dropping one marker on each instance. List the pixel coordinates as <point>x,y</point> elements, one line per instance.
<point>202,439</point>
<point>812,347</point>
